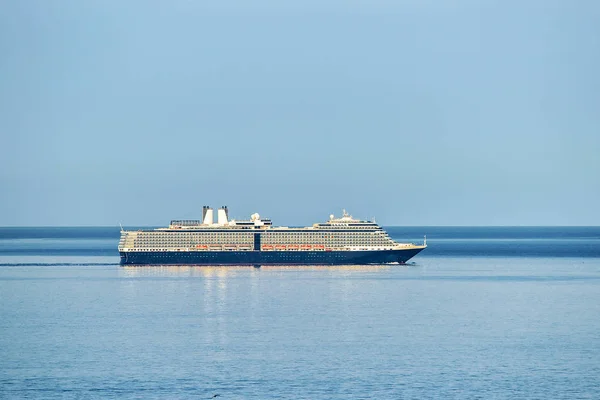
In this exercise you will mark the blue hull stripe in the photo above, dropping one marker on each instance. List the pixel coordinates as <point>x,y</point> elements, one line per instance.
<point>268,257</point>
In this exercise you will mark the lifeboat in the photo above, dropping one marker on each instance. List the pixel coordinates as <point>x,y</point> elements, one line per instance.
<point>280,247</point>
<point>293,247</point>
<point>319,246</point>
<point>267,247</point>
<point>306,247</point>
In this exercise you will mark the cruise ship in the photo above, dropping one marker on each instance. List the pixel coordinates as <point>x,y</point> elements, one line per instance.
<point>338,241</point>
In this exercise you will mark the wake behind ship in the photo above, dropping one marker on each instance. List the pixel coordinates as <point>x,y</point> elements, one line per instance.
<point>339,241</point>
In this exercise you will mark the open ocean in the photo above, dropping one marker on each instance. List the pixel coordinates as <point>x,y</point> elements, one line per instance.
<point>482,313</point>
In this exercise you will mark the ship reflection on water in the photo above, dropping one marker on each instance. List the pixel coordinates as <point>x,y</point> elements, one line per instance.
<point>222,271</point>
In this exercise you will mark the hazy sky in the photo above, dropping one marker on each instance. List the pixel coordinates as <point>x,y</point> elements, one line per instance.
<point>415,112</point>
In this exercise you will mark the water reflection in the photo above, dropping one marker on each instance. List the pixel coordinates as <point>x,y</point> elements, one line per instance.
<point>218,271</point>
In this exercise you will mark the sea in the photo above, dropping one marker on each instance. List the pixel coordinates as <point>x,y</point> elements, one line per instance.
<point>482,313</point>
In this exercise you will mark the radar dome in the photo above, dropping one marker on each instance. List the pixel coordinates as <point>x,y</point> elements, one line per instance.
<point>255,217</point>
<point>331,216</point>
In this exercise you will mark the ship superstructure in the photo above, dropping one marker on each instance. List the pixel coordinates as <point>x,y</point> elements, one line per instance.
<point>343,240</point>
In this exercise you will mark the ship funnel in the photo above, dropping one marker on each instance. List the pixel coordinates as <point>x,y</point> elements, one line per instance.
<point>207,215</point>
<point>222,215</point>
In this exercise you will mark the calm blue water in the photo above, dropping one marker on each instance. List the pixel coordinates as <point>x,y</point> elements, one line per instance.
<point>489,313</point>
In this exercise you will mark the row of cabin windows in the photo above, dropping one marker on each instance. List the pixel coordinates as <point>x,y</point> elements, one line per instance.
<point>269,240</point>
<point>237,233</point>
<point>269,237</point>
<point>313,235</point>
<point>336,240</point>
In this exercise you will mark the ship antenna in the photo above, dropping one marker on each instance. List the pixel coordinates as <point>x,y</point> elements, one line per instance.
<point>121,227</point>
<point>425,241</point>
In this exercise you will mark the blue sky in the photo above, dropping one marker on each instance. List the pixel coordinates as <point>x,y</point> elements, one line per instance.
<point>414,112</point>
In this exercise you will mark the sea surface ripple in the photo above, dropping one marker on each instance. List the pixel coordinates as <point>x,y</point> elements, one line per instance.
<point>488,313</point>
